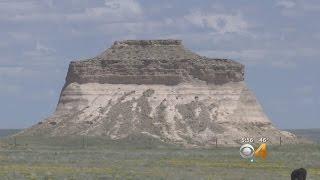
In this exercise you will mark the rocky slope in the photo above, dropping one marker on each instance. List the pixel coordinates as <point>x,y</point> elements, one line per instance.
<point>160,89</point>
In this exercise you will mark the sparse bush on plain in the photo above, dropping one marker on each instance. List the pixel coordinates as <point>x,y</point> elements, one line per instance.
<point>138,158</point>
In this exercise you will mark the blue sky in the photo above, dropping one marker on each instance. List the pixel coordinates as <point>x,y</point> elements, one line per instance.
<point>277,40</point>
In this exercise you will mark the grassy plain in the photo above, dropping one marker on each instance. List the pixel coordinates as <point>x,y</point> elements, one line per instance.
<point>138,158</point>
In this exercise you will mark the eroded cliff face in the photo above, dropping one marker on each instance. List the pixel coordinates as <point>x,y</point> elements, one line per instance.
<point>153,62</point>
<point>160,89</point>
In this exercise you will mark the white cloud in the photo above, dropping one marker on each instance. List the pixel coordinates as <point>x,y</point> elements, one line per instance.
<point>112,11</point>
<point>222,23</point>
<point>43,11</point>
<point>250,57</point>
<point>40,50</point>
<point>9,89</point>
<point>307,100</point>
<point>310,6</point>
<point>286,4</point>
<point>38,17</point>
<point>285,58</point>
<point>125,29</point>
<point>130,6</point>
<point>21,72</point>
<point>12,7</point>
<point>15,10</point>
<point>298,8</point>
<point>27,11</point>
<point>304,90</point>
<point>284,64</point>
<point>20,35</point>
<point>10,71</point>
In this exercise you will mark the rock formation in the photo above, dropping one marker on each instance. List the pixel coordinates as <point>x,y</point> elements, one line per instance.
<point>160,89</point>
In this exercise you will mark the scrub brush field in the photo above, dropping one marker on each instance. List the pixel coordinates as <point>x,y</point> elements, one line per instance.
<point>143,158</point>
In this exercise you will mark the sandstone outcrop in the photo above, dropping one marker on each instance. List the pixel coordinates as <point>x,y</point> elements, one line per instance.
<point>153,62</point>
<point>160,89</point>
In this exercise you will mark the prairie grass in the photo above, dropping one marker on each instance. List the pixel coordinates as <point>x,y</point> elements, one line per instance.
<point>140,158</point>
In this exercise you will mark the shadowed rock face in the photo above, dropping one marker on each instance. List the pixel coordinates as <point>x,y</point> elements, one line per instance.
<point>153,62</point>
<point>160,89</point>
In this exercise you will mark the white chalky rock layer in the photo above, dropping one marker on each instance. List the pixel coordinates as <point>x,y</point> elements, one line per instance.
<point>190,114</point>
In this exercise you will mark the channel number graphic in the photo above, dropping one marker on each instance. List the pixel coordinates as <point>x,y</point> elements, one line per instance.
<point>247,151</point>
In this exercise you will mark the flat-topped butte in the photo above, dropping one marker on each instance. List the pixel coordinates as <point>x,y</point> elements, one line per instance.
<point>159,89</point>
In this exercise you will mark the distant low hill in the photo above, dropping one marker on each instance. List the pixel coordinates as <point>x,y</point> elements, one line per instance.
<point>8,132</point>
<point>312,134</point>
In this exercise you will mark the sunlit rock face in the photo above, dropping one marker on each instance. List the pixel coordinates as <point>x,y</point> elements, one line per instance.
<point>160,89</point>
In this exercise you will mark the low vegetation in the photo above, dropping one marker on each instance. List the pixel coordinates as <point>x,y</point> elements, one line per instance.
<point>143,158</point>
